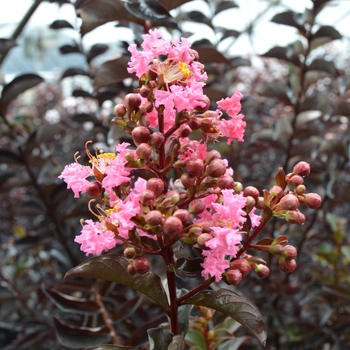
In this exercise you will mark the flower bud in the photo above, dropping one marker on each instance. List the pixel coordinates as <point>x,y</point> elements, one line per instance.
<point>251,191</point>
<point>156,139</point>
<point>226,182</point>
<point>183,215</point>
<point>140,135</point>
<point>144,91</point>
<point>288,202</point>
<point>94,190</point>
<point>287,265</point>
<point>147,198</point>
<point>154,218</point>
<point>233,277</point>
<point>206,100</point>
<point>313,200</point>
<point>262,270</point>
<point>238,187</point>
<point>276,191</point>
<point>187,180</point>
<point>132,102</point>
<point>300,189</point>
<point>216,168</point>
<point>130,252</point>
<point>194,123</point>
<point>142,265</point>
<point>242,265</point>
<point>131,269</point>
<point>202,239</point>
<point>196,207</point>
<point>185,131</point>
<point>144,151</point>
<point>249,204</point>
<point>296,180</point>
<point>195,167</point>
<point>172,226</point>
<point>295,217</point>
<point>276,249</point>
<point>146,107</point>
<point>260,203</point>
<point>289,252</point>
<point>302,169</point>
<point>213,154</point>
<point>120,110</point>
<point>156,185</point>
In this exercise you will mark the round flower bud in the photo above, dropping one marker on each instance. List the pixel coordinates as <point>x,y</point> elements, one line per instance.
<point>140,134</point>
<point>202,239</point>
<point>142,265</point>
<point>194,123</point>
<point>251,191</point>
<point>276,249</point>
<point>213,154</point>
<point>260,203</point>
<point>196,207</point>
<point>172,226</point>
<point>130,252</point>
<point>156,185</point>
<point>144,151</point>
<point>216,168</point>
<point>289,252</point>
<point>288,202</point>
<point>173,195</point>
<point>313,200</point>
<point>195,167</point>
<point>187,180</point>
<point>238,187</point>
<point>144,91</point>
<point>295,217</point>
<point>131,269</point>
<point>242,265</point>
<point>146,107</point>
<point>132,101</point>
<point>262,270</point>
<point>296,180</point>
<point>154,218</point>
<point>300,189</point>
<point>226,182</point>
<point>120,110</point>
<point>183,215</point>
<point>233,277</point>
<point>287,265</point>
<point>156,139</point>
<point>249,204</point>
<point>302,169</point>
<point>94,190</point>
<point>204,99</point>
<point>185,131</point>
<point>147,198</point>
<point>276,191</point>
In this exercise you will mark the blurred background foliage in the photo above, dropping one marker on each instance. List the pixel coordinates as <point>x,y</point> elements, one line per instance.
<point>297,107</point>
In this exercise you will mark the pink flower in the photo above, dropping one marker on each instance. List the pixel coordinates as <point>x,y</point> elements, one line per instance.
<point>255,219</point>
<point>95,239</point>
<point>231,105</point>
<point>75,176</point>
<point>213,266</point>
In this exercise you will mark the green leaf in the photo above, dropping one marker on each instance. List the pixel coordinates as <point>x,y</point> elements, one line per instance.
<point>242,309</point>
<point>111,72</point>
<point>194,337</point>
<point>159,338</point>
<point>16,87</point>
<point>112,267</point>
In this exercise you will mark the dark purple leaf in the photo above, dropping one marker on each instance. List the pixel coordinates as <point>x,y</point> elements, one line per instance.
<point>173,4</point>
<point>66,49</point>
<point>111,72</point>
<point>97,12</point>
<point>224,5</point>
<point>31,207</point>
<point>148,10</point>
<point>229,33</point>
<point>327,31</point>
<point>283,53</point>
<point>112,267</point>
<point>318,102</point>
<point>273,89</point>
<point>290,18</point>
<point>214,94</point>
<point>81,93</point>
<point>144,173</point>
<point>199,17</point>
<point>323,65</point>
<point>242,309</point>
<point>343,108</point>
<point>95,50</point>
<point>80,337</point>
<point>6,44</point>
<point>240,62</point>
<point>208,54</point>
<point>112,347</point>
<point>159,338</point>
<point>71,72</point>
<point>265,241</point>
<point>68,303</point>
<point>83,117</point>
<point>9,157</point>
<point>188,268</point>
<point>16,87</point>
<point>60,23</point>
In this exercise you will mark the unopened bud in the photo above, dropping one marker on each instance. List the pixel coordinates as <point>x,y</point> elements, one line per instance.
<point>262,271</point>
<point>242,265</point>
<point>156,139</point>
<point>195,167</point>
<point>94,190</point>
<point>185,131</point>
<point>131,269</point>
<point>296,180</point>
<point>202,239</point>
<point>120,110</point>
<point>154,218</point>
<point>129,252</point>
<point>313,200</point>
<point>295,217</point>
<point>206,101</point>
<point>238,187</point>
<point>196,207</point>
<point>300,189</point>
<point>183,215</point>
<point>140,135</point>
<point>187,180</point>
<point>173,195</point>
<point>144,91</point>
<point>233,277</point>
<point>172,226</point>
<point>132,102</point>
<point>251,191</point>
<point>144,151</point>
<point>288,202</point>
<point>260,203</point>
<point>276,249</point>
<point>287,265</point>
<point>147,198</point>
<point>194,123</point>
<point>249,204</point>
<point>216,168</point>
<point>142,265</point>
<point>289,252</point>
<point>276,191</point>
<point>156,185</point>
<point>226,182</point>
<point>211,155</point>
<point>302,169</point>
